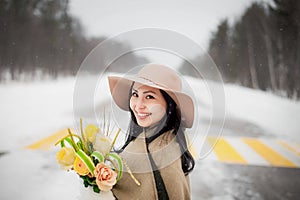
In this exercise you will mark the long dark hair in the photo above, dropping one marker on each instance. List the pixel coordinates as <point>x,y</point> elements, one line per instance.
<point>172,121</point>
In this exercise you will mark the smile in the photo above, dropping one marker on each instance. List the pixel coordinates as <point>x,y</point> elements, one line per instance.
<point>142,115</point>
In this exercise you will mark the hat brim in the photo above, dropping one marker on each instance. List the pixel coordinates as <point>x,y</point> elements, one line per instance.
<point>120,88</point>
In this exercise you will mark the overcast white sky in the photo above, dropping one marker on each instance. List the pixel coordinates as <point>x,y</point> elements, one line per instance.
<point>195,19</point>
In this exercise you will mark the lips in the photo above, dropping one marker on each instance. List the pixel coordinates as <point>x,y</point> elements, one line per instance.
<point>143,115</point>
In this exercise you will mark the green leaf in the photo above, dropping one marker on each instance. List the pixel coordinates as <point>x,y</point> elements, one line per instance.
<point>79,144</point>
<point>120,164</point>
<point>62,143</point>
<point>98,156</point>
<point>70,142</point>
<point>87,160</point>
<point>89,147</point>
<point>96,189</point>
<point>88,181</point>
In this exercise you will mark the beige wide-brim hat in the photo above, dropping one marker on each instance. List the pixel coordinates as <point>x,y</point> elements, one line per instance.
<point>157,76</point>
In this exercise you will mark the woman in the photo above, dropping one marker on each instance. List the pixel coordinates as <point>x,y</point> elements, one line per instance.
<point>155,149</point>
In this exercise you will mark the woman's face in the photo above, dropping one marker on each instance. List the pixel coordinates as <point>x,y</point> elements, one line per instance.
<point>147,104</point>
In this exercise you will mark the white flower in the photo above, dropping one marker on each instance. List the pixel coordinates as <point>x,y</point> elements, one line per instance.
<point>103,144</point>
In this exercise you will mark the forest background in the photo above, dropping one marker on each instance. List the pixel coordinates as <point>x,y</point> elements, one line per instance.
<point>260,50</point>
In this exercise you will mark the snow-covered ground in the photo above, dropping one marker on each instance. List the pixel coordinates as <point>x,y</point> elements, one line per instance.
<point>33,110</point>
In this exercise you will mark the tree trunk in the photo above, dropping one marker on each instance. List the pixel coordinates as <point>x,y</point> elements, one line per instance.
<point>270,62</point>
<point>282,69</point>
<point>297,68</point>
<point>252,68</point>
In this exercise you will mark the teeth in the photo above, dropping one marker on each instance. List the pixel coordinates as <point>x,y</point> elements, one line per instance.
<point>143,114</point>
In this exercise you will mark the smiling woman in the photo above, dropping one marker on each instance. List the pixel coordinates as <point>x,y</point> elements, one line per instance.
<point>156,148</point>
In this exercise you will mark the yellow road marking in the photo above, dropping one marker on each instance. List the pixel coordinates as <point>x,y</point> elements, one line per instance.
<point>267,153</point>
<point>290,148</point>
<point>48,142</point>
<point>191,148</point>
<point>224,151</point>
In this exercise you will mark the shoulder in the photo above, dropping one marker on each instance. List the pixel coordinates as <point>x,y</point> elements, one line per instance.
<point>163,140</point>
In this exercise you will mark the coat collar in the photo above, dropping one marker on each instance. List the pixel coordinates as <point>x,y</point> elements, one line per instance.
<point>164,150</point>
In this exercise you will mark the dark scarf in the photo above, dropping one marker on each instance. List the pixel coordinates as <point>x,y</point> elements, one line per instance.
<point>159,182</point>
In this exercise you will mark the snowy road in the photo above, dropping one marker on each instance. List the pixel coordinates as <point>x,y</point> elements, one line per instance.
<point>219,181</point>
<point>40,178</point>
<point>33,111</point>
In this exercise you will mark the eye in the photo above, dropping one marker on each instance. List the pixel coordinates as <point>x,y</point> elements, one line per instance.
<point>150,97</point>
<point>134,94</point>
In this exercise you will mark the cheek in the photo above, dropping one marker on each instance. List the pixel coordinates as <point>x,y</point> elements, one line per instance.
<point>131,103</point>
<point>158,110</point>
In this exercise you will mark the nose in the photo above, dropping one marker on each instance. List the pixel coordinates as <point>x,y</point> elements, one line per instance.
<point>140,104</point>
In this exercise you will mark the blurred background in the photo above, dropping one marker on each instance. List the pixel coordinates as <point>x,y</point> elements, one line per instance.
<point>254,43</point>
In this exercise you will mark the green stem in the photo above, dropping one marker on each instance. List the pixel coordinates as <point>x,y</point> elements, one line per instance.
<point>72,139</point>
<point>74,135</point>
<point>114,141</point>
<point>131,174</point>
<point>84,143</point>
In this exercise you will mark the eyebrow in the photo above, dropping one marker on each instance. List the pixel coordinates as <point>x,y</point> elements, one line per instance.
<point>145,92</point>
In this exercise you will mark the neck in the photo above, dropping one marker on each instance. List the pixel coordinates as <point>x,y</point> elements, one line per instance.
<point>152,132</point>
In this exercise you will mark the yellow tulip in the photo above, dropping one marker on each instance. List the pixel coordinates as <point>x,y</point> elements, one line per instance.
<point>66,157</point>
<point>80,167</point>
<point>90,132</point>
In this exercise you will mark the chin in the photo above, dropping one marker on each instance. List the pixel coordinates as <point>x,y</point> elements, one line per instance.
<point>144,125</point>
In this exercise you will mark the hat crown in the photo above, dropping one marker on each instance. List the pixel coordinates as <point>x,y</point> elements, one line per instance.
<point>162,76</point>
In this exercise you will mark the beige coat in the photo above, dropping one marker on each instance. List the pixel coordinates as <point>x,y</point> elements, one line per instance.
<point>166,154</point>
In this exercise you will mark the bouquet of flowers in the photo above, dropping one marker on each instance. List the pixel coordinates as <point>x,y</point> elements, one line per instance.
<point>89,155</point>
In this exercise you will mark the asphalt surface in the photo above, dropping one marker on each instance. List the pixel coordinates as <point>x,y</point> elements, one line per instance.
<point>214,180</point>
